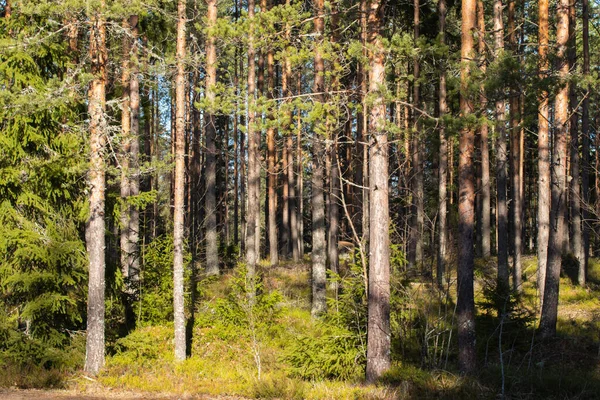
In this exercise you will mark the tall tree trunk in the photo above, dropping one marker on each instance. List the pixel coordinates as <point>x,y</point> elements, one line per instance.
<point>134,167</point>
<point>543,218</point>
<point>585,132</point>
<point>378,325</point>
<point>130,182</point>
<point>293,202</point>
<point>466,202</point>
<point>515,155</point>
<point>237,154</point>
<point>225,195</point>
<point>363,148</point>
<point>559,185</point>
<point>287,180</point>
<point>271,163</point>
<point>95,239</point>
<point>286,88</point>
<point>501,161</point>
<point>252,250</point>
<point>210,199</point>
<point>243,221</point>
<point>576,241</point>
<point>300,164</point>
<point>334,171</point>
<point>485,244</point>
<point>126,255</point>
<point>319,303</point>
<point>178,212</point>
<point>443,156</point>
<point>285,196</point>
<point>415,255</point>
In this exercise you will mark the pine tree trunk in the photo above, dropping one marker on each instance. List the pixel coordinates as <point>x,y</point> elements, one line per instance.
<point>179,189</point>
<point>576,241</point>
<point>287,181</point>
<point>585,134</point>
<point>319,303</point>
<point>466,202</point>
<point>300,164</point>
<point>515,155</point>
<point>210,199</point>
<point>271,164</point>
<point>415,255</point>
<point>134,167</point>
<point>237,155</point>
<point>559,185</point>
<point>543,218</point>
<point>484,142</point>
<point>363,178</point>
<point>334,171</point>
<point>286,89</point>
<point>443,156</point>
<point>243,221</point>
<point>126,256</point>
<point>95,239</point>
<point>378,325</point>
<point>501,161</point>
<point>253,163</point>
<point>285,197</point>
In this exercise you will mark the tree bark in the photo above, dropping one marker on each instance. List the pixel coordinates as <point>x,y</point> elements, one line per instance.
<point>576,241</point>
<point>95,239</point>
<point>466,202</point>
<point>559,185</point>
<point>515,155</point>
<point>485,244</point>
<point>300,164</point>
<point>443,156</point>
<point>252,250</point>
<point>334,171</point>
<point>585,133</point>
<point>126,255</point>
<point>286,88</point>
<point>237,154</point>
<point>179,190</point>
<point>319,303</point>
<point>210,199</point>
<point>363,148</point>
<point>271,164</point>
<point>543,218</point>
<point>378,325</point>
<point>130,181</point>
<point>415,255</point>
<point>501,161</point>
<point>134,167</point>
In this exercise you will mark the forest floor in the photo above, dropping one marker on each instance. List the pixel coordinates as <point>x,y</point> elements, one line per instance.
<point>98,394</point>
<point>277,351</point>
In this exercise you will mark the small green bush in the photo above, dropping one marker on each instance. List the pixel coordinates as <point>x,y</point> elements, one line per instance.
<point>328,352</point>
<point>145,346</point>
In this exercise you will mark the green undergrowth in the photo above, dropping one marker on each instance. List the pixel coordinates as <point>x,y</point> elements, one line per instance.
<point>262,349</point>
<point>29,363</point>
<point>271,348</point>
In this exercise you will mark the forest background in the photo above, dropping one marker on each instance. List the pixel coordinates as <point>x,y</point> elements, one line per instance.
<point>374,199</point>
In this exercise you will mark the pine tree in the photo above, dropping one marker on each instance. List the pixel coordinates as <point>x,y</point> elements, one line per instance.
<point>178,213</point>
<point>466,201</point>
<point>94,356</point>
<point>378,327</point>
